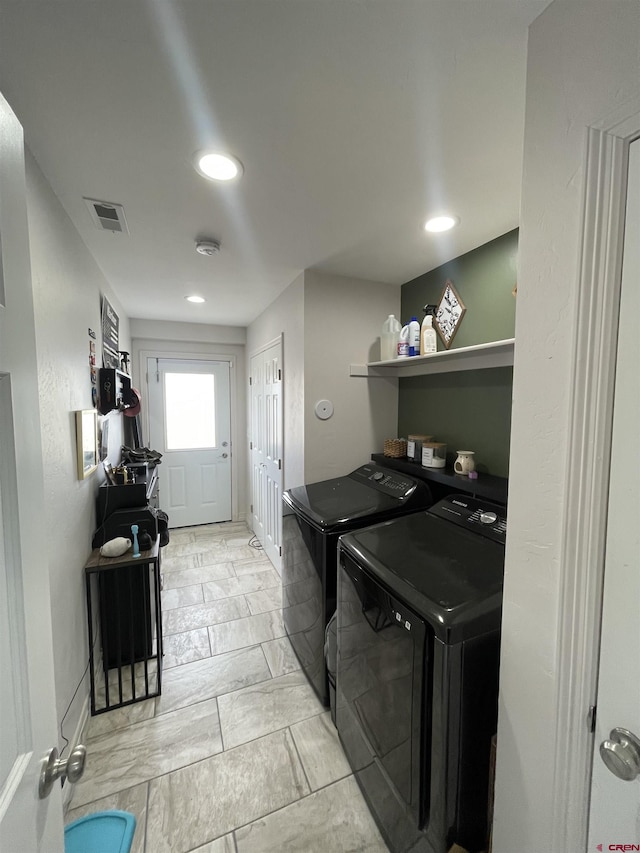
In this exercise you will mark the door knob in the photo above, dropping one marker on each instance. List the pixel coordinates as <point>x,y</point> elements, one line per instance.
<point>224,455</point>
<point>53,768</point>
<point>621,754</point>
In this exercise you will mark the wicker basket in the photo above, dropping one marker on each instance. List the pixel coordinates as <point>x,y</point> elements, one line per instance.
<point>395,447</point>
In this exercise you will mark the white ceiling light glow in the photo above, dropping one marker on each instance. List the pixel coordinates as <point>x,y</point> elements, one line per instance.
<point>217,167</point>
<point>441,223</point>
<point>196,299</point>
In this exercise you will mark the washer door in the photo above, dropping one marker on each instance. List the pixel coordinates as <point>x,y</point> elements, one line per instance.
<point>381,661</point>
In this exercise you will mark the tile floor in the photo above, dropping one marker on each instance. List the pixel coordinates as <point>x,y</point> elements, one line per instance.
<point>237,755</point>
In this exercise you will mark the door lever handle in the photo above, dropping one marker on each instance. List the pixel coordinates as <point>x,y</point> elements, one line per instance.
<point>53,768</point>
<point>621,754</point>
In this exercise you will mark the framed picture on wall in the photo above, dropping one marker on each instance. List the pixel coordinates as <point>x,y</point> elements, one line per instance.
<point>86,442</point>
<point>449,314</point>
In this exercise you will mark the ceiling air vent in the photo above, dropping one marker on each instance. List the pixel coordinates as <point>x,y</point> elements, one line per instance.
<point>107,216</point>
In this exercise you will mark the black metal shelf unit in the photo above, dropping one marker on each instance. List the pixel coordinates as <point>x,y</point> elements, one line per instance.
<point>125,628</point>
<point>114,389</point>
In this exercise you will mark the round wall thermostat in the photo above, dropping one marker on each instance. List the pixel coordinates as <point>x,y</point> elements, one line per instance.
<point>324,409</point>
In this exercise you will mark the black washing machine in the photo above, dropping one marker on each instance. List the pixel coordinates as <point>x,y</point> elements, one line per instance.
<point>418,639</point>
<point>314,516</point>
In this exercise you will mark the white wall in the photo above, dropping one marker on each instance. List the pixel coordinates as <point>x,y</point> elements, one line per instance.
<point>67,286</point>
<point>327,323</point>
<point>285,316</point>
<point>343,318</point>
<point>158,337</point>
<point>582,66</point>
<point>201,332</point>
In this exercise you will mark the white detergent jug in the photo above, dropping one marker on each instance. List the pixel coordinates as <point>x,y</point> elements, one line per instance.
<point>403,342</point>
<point>391,329</point>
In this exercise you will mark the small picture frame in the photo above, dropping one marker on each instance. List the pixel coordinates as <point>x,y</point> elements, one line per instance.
<point>449,314</point>
<point>86,442</point>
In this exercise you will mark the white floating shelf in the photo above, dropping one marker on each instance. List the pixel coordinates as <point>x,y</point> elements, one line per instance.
<point>478,357</point>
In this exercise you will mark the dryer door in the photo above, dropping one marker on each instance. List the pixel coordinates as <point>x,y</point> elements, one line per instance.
<point>381,661</point>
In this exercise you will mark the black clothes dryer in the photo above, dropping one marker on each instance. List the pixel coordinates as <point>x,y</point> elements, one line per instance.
<point>418,636</point>
<point>314,516</point>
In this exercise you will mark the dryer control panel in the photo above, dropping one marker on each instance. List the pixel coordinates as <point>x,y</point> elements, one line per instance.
<point>482,517</point>
<point>390,482</point>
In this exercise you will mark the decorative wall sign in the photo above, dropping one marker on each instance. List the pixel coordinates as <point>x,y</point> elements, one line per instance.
<point>92,367</point>
<point>110,324</point>
<point>449,314</point>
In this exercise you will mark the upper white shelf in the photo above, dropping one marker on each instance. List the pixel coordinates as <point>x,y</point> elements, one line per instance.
<point>478,357</point>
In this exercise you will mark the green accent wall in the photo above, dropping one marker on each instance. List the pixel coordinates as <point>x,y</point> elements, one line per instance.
<point>468,410</point>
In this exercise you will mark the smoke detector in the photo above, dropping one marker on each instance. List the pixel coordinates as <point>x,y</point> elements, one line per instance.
<point>208,247</point>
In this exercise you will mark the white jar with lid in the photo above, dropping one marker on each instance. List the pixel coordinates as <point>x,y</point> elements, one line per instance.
<point>434,454</point>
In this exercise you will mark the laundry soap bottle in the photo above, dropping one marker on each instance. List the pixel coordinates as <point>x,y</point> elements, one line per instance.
<point>403,342</point>
<point>414,337</point>
<point>389,339</point>
<point>428,339</point>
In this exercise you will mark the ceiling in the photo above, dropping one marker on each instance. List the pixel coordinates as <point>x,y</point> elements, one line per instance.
<point>354,120</point>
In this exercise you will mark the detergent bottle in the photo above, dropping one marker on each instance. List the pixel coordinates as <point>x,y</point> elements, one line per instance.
<point>403,342</point>
<point>391,329</point>
<point>414,337</point>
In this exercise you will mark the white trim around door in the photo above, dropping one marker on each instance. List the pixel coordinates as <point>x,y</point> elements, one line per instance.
<point>584,523</point>
<point>237,514</point>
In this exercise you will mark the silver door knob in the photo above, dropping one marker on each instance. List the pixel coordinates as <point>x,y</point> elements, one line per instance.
<point>53,768</point>
<point>224,455</point>
<point>621,754</point>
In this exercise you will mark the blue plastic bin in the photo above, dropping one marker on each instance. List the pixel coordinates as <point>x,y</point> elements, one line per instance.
<point>101,832</point>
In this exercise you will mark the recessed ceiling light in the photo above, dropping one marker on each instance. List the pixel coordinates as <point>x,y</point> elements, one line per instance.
<point>195,299</point>
<point>217,167</point>
<point>441,223</point>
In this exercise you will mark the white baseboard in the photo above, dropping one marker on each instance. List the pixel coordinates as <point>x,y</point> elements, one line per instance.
<point>77,737</point>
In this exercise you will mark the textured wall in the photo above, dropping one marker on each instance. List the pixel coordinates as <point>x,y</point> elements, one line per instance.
<point>582,68</point>
<point>285,316</point>
<point>343,320</point>
<point>67,285</point>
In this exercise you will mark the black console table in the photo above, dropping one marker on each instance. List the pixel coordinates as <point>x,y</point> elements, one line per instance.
<point>124,613</point>
<point>144,492</point>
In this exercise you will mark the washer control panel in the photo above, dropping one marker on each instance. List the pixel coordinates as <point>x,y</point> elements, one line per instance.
<point>483,517</point>
<point>390,482</point>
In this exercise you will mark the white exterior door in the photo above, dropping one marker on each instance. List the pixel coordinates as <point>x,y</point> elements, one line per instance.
<point>27,702</point>
<point>266,450</point>
<point>190,424</point>
<point>615,804</point>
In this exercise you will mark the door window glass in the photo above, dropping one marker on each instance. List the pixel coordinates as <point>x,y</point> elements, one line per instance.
<point>190,403</point>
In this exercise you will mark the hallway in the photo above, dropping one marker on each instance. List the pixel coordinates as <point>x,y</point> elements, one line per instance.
<point>237,755</point>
